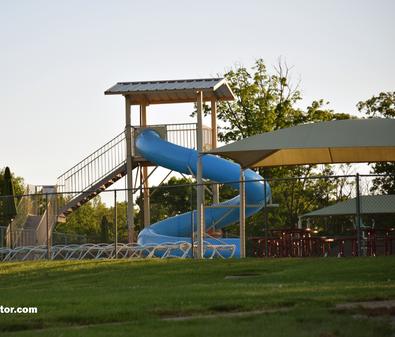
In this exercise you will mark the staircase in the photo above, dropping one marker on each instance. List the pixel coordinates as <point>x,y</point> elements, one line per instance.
<point>91,176</point>
<point>92,191</point>
<point>107,165</point>
<point>28,236</point>
<point>74,188</point>
<point>20,232</point>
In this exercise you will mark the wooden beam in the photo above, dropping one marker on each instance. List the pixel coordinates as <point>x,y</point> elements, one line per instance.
<point>171,96</point>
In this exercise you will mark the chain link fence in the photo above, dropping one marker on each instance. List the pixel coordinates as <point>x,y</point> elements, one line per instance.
<point>343,215</point>
<point>347,215</point>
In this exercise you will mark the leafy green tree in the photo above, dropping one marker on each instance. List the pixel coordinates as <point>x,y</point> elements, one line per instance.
<point>121,222</point>
<point>81,221</point>
<point>87,220</point>
<point>383,106</point>
<point>176,196</point>
<point>104,228</point>
<point>8,200</point>
<point>268,101</point>
<point>19,187</point>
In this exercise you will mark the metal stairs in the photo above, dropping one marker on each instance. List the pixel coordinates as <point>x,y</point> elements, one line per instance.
<point>105,166</point>
<point>91,192</point>
<point>32,221</point>
<point>90,176</point>
<point>83,182</point>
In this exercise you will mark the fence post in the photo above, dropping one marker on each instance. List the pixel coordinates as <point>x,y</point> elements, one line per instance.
<point>11,234</point>
<point>192,224</point>
<point>47,222</point>
<point>115,224</point>
<point>358,216</point>
<point>266,221</point>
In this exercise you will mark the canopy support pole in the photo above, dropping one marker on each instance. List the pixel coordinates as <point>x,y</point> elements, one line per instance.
<point>358,217</point>
<point>266,221</point>
<point>242,215</point>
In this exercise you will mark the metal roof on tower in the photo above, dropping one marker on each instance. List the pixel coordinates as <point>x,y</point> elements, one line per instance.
<point>173,91</point>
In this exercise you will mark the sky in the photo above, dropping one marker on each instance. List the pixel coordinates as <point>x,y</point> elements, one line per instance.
<point>58,57</point>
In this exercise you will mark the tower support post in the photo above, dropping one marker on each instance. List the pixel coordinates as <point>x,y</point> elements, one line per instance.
<point>144,171</point>
<point>199,179</point>
<point>129,170</point>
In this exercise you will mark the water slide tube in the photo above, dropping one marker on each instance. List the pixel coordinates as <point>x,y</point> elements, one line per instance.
<point>183,160</point>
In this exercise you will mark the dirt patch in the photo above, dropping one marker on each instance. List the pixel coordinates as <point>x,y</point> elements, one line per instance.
<point>226,314</point>
<point>241,276</point>
<point>221,308</point>
<point>370,305</point>
<point>371,309</point>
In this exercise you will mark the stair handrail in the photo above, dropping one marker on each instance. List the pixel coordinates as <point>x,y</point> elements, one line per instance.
<point>102,161</point>
<point>109,157</point>
<point>92,154</point>
<point>100,155</point>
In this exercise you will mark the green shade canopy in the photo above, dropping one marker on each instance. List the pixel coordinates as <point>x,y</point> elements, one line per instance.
<point>370,204</point>
<point>341,141</point>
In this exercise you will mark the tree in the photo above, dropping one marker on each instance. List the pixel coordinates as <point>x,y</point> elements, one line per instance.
<point>104,229</point>
<point>87,220</point>
<point>174,197</point>
<point>382,105</point>
<point>266,102</point>
<point>8,202</point>
<point>19,187</point>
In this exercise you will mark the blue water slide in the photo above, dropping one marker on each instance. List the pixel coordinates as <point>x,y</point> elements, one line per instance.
<point>183,160</point>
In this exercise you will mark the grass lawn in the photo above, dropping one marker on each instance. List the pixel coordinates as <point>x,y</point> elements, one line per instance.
<point>253,297</point>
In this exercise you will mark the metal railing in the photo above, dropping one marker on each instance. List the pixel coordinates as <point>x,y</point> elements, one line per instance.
<point>185,135</point>
<point>27,206</point>
<point>24,237</point>
<point>24,208</point>
<point>112,155</point>
<point>94,167</point>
